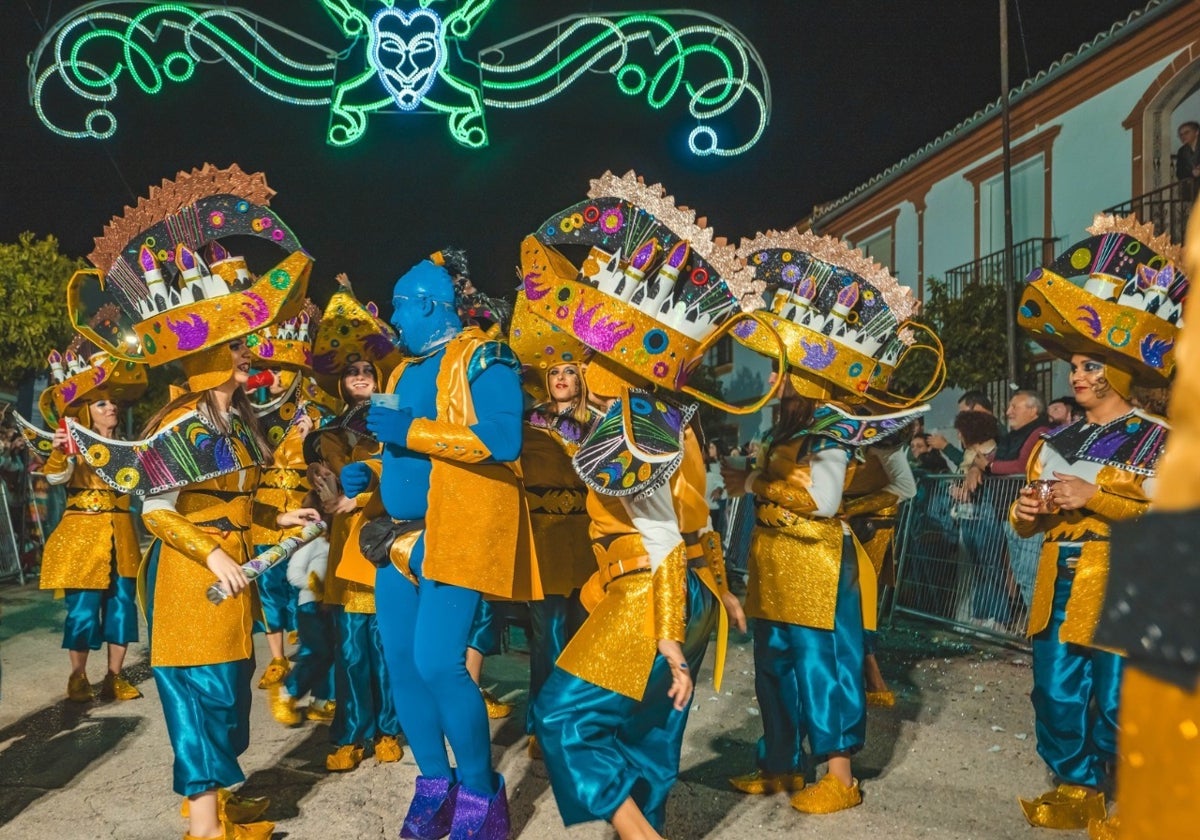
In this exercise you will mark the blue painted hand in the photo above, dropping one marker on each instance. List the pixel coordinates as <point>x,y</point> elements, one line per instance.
<point>356,477</point>
<point>389,425</point>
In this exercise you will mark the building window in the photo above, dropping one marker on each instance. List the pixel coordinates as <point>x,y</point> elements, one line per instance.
<point>1028,205</point>
<point>723,351</point>
<point>881,247</point>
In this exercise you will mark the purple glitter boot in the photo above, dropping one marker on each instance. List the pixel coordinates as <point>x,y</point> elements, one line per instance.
<point>478,817</point>
<point>431,810</point>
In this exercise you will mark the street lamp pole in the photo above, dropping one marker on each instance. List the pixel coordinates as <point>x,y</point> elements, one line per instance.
<point>1010,314</point>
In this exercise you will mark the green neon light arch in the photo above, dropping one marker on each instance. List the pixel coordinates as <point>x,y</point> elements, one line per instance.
<point>403,58</point>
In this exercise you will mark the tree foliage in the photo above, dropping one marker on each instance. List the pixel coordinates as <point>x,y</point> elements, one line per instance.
<point>973,328</point>
<point>33,304</point>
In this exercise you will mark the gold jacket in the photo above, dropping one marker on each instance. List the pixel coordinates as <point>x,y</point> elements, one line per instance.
<point>558,512</point>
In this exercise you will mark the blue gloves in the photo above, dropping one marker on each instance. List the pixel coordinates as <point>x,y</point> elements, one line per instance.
<point>389,425</point>
<point>356,478</point>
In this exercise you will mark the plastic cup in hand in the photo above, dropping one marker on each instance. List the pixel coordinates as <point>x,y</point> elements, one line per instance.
<point>391,401</point>
<point>1042,490</point>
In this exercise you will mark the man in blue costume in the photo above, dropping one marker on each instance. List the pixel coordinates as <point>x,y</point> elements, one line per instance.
<point>455,435</point>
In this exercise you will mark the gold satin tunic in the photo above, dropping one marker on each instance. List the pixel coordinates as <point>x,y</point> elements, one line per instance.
<point>795,558</point>
<point>616,646</point>
<point>348,590</point>
<point>96,525</point>
<point>558,512</point>
<point>281,487</point>
<point>188,629</point>
<point>1120,496</point>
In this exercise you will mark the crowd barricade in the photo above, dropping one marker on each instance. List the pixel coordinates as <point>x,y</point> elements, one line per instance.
<point>958,561</point>
<point>10,554</point>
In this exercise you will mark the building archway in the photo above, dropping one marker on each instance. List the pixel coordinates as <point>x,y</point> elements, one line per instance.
<point>1169,101</point>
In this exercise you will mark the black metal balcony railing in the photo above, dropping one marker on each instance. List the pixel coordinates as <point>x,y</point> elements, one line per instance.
<point>989,269</point>
<point>1167,207</point>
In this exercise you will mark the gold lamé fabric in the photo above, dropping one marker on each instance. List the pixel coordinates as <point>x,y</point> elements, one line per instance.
<point>281,487</point>
<point>557,507</point>
<point>443,439</point>
<point>95,527</point>
<point>342,585</point>
<point>1158,775</point>
<point>616,646</point>
<point>1120,496</point>
<point>865,496</point>
<point>493,553</point>
<point>796,559</point>
<point>188,628</point>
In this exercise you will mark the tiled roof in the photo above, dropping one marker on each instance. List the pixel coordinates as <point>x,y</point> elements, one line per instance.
<point>1084,53</point>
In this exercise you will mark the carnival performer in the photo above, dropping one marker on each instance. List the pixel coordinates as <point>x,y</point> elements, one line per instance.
<point>200,464</point>
<point>871,504</point>
<point>352,350</point>
<point>281,354</point>
<point>453,439</point>
<point>1084,477</point>
<point>811,587</point>
<point>1149,610</point>
<point>92,555</point>
<point>610,717</point>
<point>554,428</point>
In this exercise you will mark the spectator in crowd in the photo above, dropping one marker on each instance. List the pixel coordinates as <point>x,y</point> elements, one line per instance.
<point>1063,411</point>
<point>976,401</point>
<point>979,521</point>
<point>1187,159</point>
<point>1027,422</point>
<point>919,447</point>
<point>12,473</point>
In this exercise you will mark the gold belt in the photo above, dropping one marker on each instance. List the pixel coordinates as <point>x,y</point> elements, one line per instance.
<point>561,500</point>
<point>610,570</point>
<point>97,501</point>
<point>282,479</point>
<point>771,515</point>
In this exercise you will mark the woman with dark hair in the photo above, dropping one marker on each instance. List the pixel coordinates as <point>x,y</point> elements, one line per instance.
<point>979,523</point>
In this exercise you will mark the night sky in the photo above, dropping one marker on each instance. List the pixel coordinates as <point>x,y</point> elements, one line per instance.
<point>856,86</point>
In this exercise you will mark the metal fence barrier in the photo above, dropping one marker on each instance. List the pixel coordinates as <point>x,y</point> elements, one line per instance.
<point>10,554</point>
<point>958,561</point>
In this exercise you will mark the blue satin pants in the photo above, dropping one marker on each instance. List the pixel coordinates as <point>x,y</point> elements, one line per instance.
<point>95,616</point>
<point>809,681</point>
<point>312,668</point>
<point>602,748</point>
<point>425,630</point>
<point>365,708</point>
<point>552,623</point>
<point>207,709</point>
<point>1076,692</point>
<point>484,635</point>
<point>277,596</point>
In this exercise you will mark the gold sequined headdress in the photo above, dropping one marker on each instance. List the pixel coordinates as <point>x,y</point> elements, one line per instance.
<point>174,306</point>
<point>349,332</point>
<point>655,291</point>
<point>842,316</point>
<point>1118,294</point>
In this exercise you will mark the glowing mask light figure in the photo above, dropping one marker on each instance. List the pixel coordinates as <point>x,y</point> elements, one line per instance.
<point>406,52</point>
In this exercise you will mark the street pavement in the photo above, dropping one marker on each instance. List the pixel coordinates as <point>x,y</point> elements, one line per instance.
<point>948,762</point>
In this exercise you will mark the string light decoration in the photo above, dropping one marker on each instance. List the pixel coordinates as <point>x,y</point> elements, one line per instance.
<point>404,61</point>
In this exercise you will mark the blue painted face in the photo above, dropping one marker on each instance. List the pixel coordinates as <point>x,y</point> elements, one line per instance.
<point>423,307</point>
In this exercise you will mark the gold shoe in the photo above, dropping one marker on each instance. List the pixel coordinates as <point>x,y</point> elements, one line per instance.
<point>881,699</point>
<point>283,708</point>
<point>344,759</point>
<point>321,711</point>
<point>275,674</point>
<point>1066,807</point>
<point>496,708</point>
<point>116,687</point>
<point>1109,829</point>
<point>233,808</point>
<point>761,782</point>
<point>388,749</point>
<point>827,796</point>
<point>533,749</point>
<point>79,690</point>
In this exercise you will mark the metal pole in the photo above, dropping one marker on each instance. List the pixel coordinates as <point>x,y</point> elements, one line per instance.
<point>1010,313</point>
